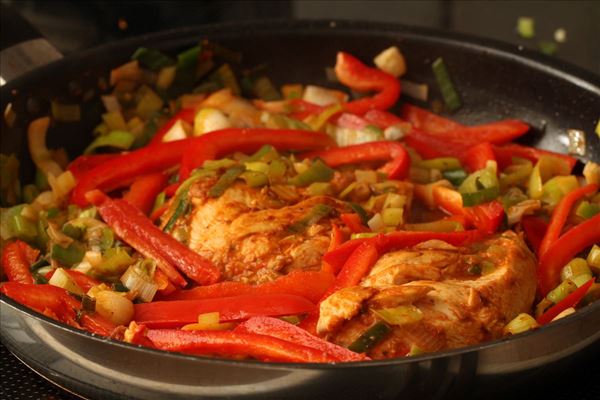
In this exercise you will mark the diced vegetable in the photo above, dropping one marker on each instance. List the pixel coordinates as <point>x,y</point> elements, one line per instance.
<point>152,59</point>
<point>405,314</point>
<point>451,98</point>
<point>526,27</point>
<point>117,139</point>
<point>521,323</point>
<point>225,181</point>
<point>61,279</point>
<point>593,258</point>
<point>370,338</point>
<point>317,172</point>
<point>561,291</point>
<point>391,61</point>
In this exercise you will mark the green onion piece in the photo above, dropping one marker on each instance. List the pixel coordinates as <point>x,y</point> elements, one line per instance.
<point>152,59</point>
<point>392,216</point>
<point>593,258</point>
<point>561,291</point>
<point>114,261</point>
<point>42,237</point>
<point>255,179</point>
<point>68,256</point>
<point>187,62</point>
<point>320,189</point>
<point>526,27</point>
<point>180,209</point>
<point>10,187</point>
<point>405,314</point>
<point>225,181</point>
<point>585,209</point>
<point>576,266</point>
<point>556,188</point>
<point>159,200</point>
<point>481,196</point>
<point>516,174</point>
<point>363,235</point>
<point>118,139</point>
<point>72,231</point>
<point>224,74</point>
<point>455,176</point>
<point>264,89</point>
<point>65,112</point>
<point>521,323</point>
<point>370,337</point>
<point>364,217</point>
<point>445,84</point>
<point>218,164</point>
<point>317,172</point>
<point>265,153</point>
<point>317,213</point>
<point>277,170</point>
<point>581,279</point>
<point>257,166</point>
<point>441,163</point>
<point>14,225</point>
<point>107,239</point>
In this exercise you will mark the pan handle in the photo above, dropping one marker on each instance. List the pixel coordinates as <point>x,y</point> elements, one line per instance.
<point>23,48</point>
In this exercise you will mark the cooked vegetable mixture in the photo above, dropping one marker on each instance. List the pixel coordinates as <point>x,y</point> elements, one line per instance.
<point>216,213</point>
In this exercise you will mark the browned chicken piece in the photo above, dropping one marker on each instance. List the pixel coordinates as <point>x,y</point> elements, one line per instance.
<point>254,236</point>
<point>454,296</point>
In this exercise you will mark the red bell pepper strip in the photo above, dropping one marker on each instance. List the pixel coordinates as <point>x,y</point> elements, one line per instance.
<point>382,119</point>
<point>357,76</point>
<point>121,170</point>
<point>138,231</point>
<point>302,109</point>
<point>399,239</point>
<point>505,153</point>
<point>571,300</point>
<point>96,323</point>
<point>476,157</point>
<point>308,284</point>
<point>535,230</point>
<point>563,250</point>
<point>396,168</point>
<point>17,258</point>
<point>427,121</point>
<point>168,314</point>
<point>448,200</point>
<point>216,144</point>
<point>165,286</point>
<point>85,282</point>
<point>277,328</point>
<point>356,267</point>
<point>235,344</point>
<point>486,217</point>
<point>185,114</point>
<point>561,213</point>
<point>430,146</point>
<point>337,238</point>
<point>354,223</point>
<point>144,190</point>
<point>82,164</point>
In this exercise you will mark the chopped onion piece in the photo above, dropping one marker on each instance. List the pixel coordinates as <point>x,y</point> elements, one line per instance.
<point>576,142</point>
<point>61,279</point>
<point>391,61</point>
<point>418,91</point>
<point>564,313</point>
<point>114,306</point>
<point>139,282</point>
<point>322,96</point>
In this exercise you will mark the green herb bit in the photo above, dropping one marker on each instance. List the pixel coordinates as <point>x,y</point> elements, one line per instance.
<point>370,338</point>
<point>526,27</point>
<point>225,181</point>
<point>451,98</point>
<point>317,213</point>
<point>117,139</point>
<point>152,59</point>
<point>68,256</point>
<point>364,217</point>
<point>317,172</point>
<point>455,176</point>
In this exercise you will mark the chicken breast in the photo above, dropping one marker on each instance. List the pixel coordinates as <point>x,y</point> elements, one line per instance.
<point>452,297</point>
<point>254,236</point>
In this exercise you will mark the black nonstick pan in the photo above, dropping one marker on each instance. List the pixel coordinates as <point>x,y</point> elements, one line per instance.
<point>495,81</point>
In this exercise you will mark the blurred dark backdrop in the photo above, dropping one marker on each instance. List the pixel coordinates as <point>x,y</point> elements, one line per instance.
<point>75,25</point>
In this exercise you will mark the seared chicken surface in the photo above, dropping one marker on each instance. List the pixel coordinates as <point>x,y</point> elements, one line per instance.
<point>254,236</point>
<point>452,297</point>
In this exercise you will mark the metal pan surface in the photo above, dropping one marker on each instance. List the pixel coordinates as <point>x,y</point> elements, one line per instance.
<point>495,81</point>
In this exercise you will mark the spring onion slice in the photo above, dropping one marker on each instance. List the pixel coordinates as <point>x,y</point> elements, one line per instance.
<point>445,84</point>
<point>152,59</point>
<point>117,139</point>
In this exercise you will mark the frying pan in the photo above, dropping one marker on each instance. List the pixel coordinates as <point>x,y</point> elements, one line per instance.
<point>495,81</point>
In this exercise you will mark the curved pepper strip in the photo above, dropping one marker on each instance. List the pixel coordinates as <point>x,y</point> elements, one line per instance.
<point>476,157</point>
<point>486,217</point>
<point>185,114</point>
<point>170,314</point>
<point>571,300</point>
<point>535,229</point>
<point>216,144</point>
<point>138,231</point>
<point>354,223</point>
<point>58,304</point>
<point>505,153</point>
<point>396,168</point>
<point>17,258</point>
<point>357,76</point>
<point>561,213</point>
<point>279,329</point>
<point>427,121</point>
<point>143,191</point>
<point>563,250</point>
<point>399,239</point>
<point>308,284</point>
<point>235,344</point>
<point>82,164</point>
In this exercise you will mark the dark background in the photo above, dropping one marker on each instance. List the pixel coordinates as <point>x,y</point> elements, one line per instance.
<point>77,25</point>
